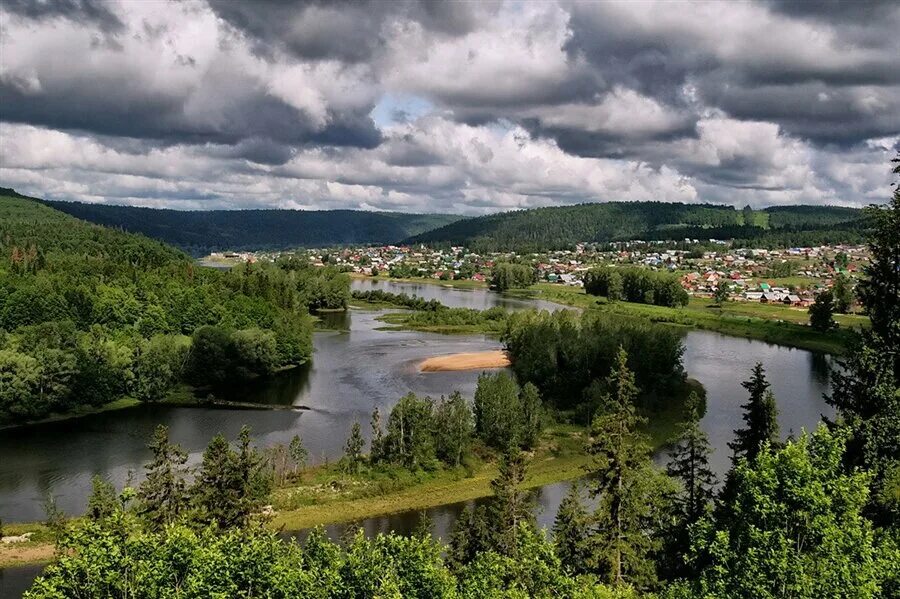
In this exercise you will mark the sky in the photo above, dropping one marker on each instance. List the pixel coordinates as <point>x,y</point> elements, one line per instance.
<point>457,107</point>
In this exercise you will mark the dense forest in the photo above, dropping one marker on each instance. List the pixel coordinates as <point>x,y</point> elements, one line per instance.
<point>89,315</point>
<point>200,232</point>
<point>562,227</point>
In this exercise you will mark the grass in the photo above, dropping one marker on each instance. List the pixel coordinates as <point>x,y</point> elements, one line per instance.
<point>38,549</point>
<point>773,323</point>
<point>460,284</point>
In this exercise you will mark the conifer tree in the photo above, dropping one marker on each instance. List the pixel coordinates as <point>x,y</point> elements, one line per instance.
<point>760,417</point>
<point>162,495</point>
<point>510,506</point>
<point>216,492</point>
<point>353,449</point>
<point>532,415</point>
<point>102,502</point>
<point>630,491</point>
<point>689,463</point>
<point>571,532</point>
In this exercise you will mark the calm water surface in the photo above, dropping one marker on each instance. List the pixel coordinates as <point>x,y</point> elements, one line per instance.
<point>354,369</point>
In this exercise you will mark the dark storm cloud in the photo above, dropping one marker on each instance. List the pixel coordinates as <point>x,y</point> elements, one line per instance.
<point>815,93</point>
<point>93,12</point>
<point>347,30</point>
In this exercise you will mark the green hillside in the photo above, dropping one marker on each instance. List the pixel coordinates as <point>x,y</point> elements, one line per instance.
<point>200,232</point>
<point>562,227</point>
<point>91,315</point>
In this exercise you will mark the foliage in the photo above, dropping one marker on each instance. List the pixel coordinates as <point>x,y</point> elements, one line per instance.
<point>562,353</point>
<point>631,493</point>
<point>506,415</point>
<point>353,448</point>
<point>793,527</point>
<point>162,497</point>
<point>821,312</point>
<point>638,285</point>
<point>760,417</point>
<point>505,276</point>
<point>842,292</point>
<point>453,434</point>
<point>95,314</point>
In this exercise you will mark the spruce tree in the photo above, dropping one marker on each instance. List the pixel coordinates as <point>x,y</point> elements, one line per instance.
<point>510,506</point>
<point>689,465</point>
<point>353,449</point>
<point>571,532</point>
<point>216,492</point>
<point>629,490</point>
<point>470,536</point>
<point>760,417</point>
<point>162,496</point>
<point>103,501</point>
<point>532,415</point>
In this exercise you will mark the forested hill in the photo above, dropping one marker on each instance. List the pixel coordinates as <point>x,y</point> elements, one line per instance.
<point>200,232</point>
<point>90,315</point>
<point>562,227</point>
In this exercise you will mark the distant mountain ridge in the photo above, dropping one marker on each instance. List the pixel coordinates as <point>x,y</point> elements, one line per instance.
<point>201,232</point>
<point>563,226</point>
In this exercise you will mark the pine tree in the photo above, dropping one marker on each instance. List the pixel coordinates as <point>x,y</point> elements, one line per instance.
<point>510,506</point>
<point>353,449</point>
<point>760,417</point>
<point>571,532</point>
<point>216,492</point>
<point>162,495</point>
<point>689,464</point>
<point>630,491</point>
<point>470,536</point>
<point>821,312</point>
<point>102,502</point>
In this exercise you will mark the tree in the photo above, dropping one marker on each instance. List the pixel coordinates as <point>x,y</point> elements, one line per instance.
<point>722,292</point>
<point>510,506</point>
<point>102,502</point>
<point>821,311</point>
<point>299,454</point>
<point>842,292</point>
<point>353,449</point>
<point>162,494</point>
<point>689,465</point>
<point>453,436</point>
<point>760,417</point>
<point>866,389</point>
<point>532,415</point>
<point>217,489</point>
<point>410,432</point>
<point>793,527</point>
<point>571,532</point>
<point>629,490</point>
<point>471,535</point>
<point>615,289</point>
<point>498,416</point>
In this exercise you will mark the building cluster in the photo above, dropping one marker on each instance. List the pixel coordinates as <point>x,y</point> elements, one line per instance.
<point>791,276</point>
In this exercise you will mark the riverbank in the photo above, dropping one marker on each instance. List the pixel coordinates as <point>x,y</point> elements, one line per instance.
<point>466,361</point>
<point>460,284</point>
<point>772,323</point>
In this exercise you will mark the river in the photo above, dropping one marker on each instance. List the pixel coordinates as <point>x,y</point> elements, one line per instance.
<point>355,368</point>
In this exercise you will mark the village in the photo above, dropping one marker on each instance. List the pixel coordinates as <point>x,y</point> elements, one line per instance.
<point>791,276</point>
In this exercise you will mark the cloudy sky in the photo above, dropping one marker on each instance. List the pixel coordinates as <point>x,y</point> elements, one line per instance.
<point>464,107</point>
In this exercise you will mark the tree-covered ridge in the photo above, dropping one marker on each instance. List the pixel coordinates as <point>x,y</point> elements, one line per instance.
<point>89,315</point>
<point>202,232</point>
<point>562,227</point>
